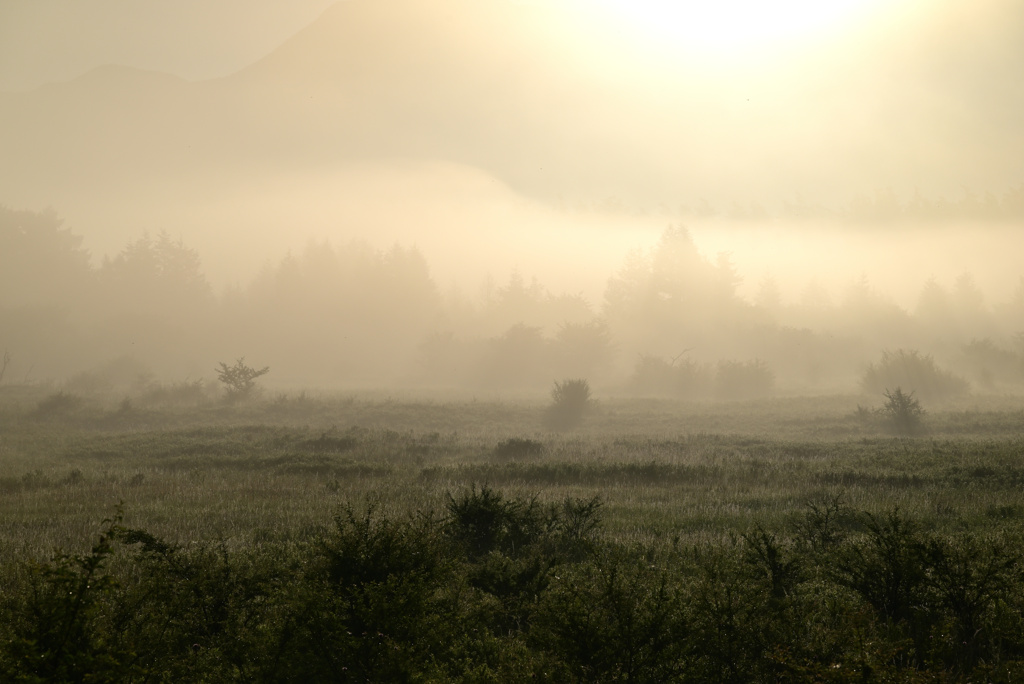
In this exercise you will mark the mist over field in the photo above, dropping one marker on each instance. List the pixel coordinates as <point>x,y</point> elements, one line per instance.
<point>491,196</point>
<point>511,340</point>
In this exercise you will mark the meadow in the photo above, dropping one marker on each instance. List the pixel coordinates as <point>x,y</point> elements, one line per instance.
<point>793,538</point>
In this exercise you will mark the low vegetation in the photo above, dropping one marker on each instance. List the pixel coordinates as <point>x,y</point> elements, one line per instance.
<point>305,538</point>
<point>918,373</point>
<point>570,403</point>
<point>240,379</point>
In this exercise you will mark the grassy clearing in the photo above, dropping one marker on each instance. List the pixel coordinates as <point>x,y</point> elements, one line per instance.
<point>269,470</point>
<point>300,539</point>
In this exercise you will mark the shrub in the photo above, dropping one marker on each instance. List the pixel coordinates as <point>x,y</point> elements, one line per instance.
<point>58,405</point>
<point>968,577</point>
<point>240,379</point>
<point>613,620</point>
<point>325,444</point>
<point>516,447</point>
<point>374,612</point>
<point>824,525</point>
<point>917,372</point>
<point>482,521</point>
<point>56,627</point>
<point>903,411</point>
<point>886,566</point>
<point>570,401</point>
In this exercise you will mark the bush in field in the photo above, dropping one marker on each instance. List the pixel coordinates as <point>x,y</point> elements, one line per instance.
<point>612,620</point>
<point>886,565</point>
<point>570,401</point>
<point>917,372</point>
<point>57,405</point>
<point>518,447</point>
<point>240,379</point>
<point>378,614</point>
<point>502,588</point>
<point>902,410</point>
<point>482,521</point>
<point>56,632</point>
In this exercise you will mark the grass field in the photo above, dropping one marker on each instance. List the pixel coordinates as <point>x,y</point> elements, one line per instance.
<point>275,474</point>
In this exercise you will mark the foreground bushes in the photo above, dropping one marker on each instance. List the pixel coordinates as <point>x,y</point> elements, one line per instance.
<point>509,589</point>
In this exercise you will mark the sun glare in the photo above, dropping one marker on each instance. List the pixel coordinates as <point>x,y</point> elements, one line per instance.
<point>729,28</point>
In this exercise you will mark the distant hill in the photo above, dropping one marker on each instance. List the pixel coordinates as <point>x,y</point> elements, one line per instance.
<point>462,81</point>
<point>494,86</point>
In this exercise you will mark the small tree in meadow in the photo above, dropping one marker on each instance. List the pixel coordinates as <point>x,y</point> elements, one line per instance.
<point>240,379</point>
<point>902,410</point>
<point>570,401</point>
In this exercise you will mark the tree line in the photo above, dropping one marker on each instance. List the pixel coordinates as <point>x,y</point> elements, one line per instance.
<point>351,315</point>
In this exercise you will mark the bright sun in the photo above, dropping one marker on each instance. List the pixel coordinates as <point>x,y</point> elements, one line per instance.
<point>728,29</point>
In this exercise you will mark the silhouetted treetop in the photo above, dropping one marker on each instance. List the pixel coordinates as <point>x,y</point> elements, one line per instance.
<point>41,262</point>
<point>153,275</point>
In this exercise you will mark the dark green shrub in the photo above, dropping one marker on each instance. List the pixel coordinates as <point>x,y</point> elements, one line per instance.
<point>824,526</point>
<point>576,523</point>
<point>886,566</point>
<point>511,589</point>
<point>615,620</point>
<point>370,547</point>
<point>57,628</point>
<point>202,611</point>
<point>482,521</point>
<point>517,447</point>
<point>772,562</point>
<point>732,620</point>
<point>570,402</point>
<point>902,411</point>
<point>373,608</point>
<point>969,577</point>
<point>331,445</point>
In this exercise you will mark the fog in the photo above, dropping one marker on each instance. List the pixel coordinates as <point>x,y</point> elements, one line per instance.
<point>488,197</point>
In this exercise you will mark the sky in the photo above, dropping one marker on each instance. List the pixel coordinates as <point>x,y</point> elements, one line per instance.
<point>43,41</point>
<point>548,141</point>
<point>477,126</point>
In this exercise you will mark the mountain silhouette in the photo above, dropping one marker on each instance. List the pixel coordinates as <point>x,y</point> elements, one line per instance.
<point>476,83</point>
<point>502,86</point>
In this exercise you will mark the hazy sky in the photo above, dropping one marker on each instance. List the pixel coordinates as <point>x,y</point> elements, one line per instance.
<point>458,124</point>
<point>54,40</point>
